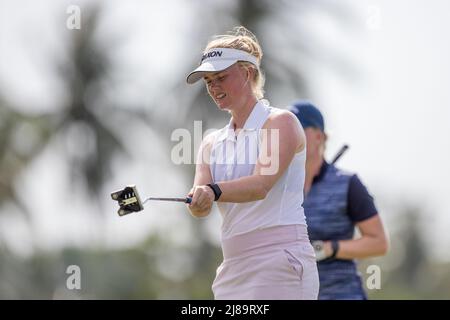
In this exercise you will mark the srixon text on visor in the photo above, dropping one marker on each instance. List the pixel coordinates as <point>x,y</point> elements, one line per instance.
<point>212,54</point>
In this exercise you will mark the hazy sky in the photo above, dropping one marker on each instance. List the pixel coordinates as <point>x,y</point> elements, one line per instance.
<point>395,118</point>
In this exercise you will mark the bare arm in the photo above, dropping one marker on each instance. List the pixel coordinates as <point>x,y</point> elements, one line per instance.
<point>275,156</point>
<point>373,241</point>
<point>202,195</point>
<point>285,137</point>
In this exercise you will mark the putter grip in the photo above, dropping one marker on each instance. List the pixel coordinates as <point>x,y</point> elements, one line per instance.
<point>188,200</point>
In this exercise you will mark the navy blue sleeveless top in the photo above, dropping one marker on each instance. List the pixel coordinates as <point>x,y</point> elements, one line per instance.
<point>336,202</point>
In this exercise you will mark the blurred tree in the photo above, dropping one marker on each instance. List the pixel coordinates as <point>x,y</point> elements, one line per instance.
<point>23,137</point>
<point>86,75</point>
<point>91,144</point>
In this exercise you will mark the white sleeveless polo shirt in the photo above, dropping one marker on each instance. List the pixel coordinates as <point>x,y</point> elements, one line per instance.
<point>234,156</point>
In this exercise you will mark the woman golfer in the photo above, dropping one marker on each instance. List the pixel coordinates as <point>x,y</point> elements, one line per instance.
<point>250,167</point>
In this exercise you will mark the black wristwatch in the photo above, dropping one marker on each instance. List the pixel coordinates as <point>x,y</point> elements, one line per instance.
<point>335,247</point>
<point>215,188</point>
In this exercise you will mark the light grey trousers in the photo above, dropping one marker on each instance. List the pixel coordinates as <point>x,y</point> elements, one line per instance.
<point>268,264</point>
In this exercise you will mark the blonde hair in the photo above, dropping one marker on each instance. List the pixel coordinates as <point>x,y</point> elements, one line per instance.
<point>243,39</point>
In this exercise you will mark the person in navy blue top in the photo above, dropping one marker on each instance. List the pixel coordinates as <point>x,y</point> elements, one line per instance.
<point>335,203</point>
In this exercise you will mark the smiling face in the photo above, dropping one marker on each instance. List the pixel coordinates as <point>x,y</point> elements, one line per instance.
<point>229,88</point>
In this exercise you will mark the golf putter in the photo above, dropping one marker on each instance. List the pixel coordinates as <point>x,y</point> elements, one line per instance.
<point>129,200</point>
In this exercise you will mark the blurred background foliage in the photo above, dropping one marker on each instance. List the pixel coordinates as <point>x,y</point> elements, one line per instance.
<point>90,122</point>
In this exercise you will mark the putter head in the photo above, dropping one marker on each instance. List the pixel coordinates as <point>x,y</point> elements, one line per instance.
<point>128,199</point>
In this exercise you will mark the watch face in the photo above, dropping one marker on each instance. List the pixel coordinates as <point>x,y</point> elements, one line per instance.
<point>319,250</point>
<point>317,245</point>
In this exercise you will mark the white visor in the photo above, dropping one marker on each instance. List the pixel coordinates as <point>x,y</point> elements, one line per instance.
<point>218,59</point>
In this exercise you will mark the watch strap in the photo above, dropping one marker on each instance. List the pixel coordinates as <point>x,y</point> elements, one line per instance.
<point>215,188</point>
<point>335,247</point>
